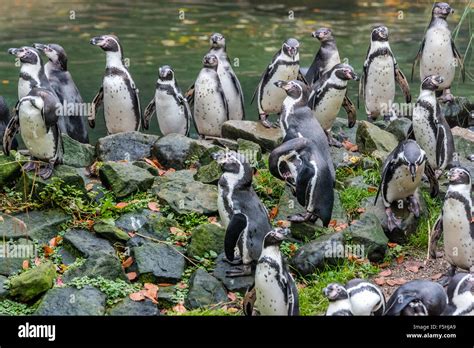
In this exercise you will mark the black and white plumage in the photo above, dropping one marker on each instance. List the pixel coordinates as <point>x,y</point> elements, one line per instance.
<point>274,291</point>
<point>460,296</point>
<point>417,298</point>
<point>73,119</point>
<point>285,66</point>
<point>4,120</point>
<point>37,119</point>
<point>339,302</point>
<point>118,92</point>
<point>438,54</point>
<point>229,81</point>
<point>401,176</point>
<point>380,73</point>
<point>241,211</point>
<point>171,107</point>
<point>430,128</point>
<point>366,298</point>
<point>326,57</point>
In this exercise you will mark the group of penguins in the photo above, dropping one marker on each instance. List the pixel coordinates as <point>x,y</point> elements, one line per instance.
<point>307,105</point>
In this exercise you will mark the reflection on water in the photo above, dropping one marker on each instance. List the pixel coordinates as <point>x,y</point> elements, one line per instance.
<point>176,33</point>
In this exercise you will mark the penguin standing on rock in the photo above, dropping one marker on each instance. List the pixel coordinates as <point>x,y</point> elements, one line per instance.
<point>230,83</point>
<point>274,291</point>
<point>461,299</point>
<point>381,71</point>
<point>285,66</point>
<point>339,302</point>
<point>402,173</point>
<point>72,123</point>
<point>171,107</point>
<point>118,92</point>
<point>366,298</point>
<point>326,58</point>
<point>241,211</point>
<point>437,54</point>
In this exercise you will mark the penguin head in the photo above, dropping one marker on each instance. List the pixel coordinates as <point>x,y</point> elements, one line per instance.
<point>323,34</point>
<point>27,55</point>
<point>459,176</point>
<point>380,33</point>
<point>166,73</point>
<point>459,284</point>
<point>275,237</point>
<point>432,82</point>
<point>294,89</point>
<point>345,72</point>
<point>109,43</point>
<point>335,292</point>
<point>441,10</point>
<point>210,61</point>
<point>412,156</point>
<point>32,101</point>
<point>217,41</point>
<point>291,48</point>
<point>230,161</point>
<point>55,53</point>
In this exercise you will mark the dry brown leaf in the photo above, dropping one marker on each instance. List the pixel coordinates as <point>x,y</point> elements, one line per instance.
<point>232,310</point>
<point>47,250</point>
<point>283,223</point>
<point>412,268</point>
<point>347,144</point>
<point>137,296</point>
<point>371,189</point>
<point>89,186</point>
<point>59,281</point>
<point>131,234</point>
<point>379,281</point>
<point>179,308</point>
<point>400,281</point>
<point>384,265</point>
<point>25,264</point>
<point>391,282</point>
<point>151,163</point>
<point>212,220</point>
<point>392,245</point>
<point>332,223</point>
<point>121,205</point>
<point>54,241</point>
<point>385,273</point>
<point>273,213</point>
<point>128,262</point>
<point>132,276</point>
<point>400,259</point>
<point>151,291</point>
<point>437,276</point>
<point>232,296</point>
<point>37,261</point>
<point>164,285</point>
<point>153,206</point>
<point>360,210</point>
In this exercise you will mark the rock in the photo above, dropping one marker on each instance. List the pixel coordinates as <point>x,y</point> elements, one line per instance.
<point>77,154</point>
<point>9,168</point>
<point>235,284</point>
<point>41,225</point>
<point>124,178</point>
<point>370,138</point>
<point>166,297</point>
<point>343,158</point>
<point>368,233</point>
<point>205,238</point>
<point>458,113</point>
<point>341,131</point>
<point>97,265</point>
<point>357,181</point>
<point>87,301</point>
<point>130,146</point>
<point>158,263</point>
<point>108,230</point>
<point>400,128</point>
<point>3,290</point>
<point>149,168</point>
<point>313,256</point>
<point>84,243</point>
<point>252,151</point>
<point>134,221</point>
<point>158,227</point>
<point>209,174</point>
<point>30,284</point>
<point>67,257</point>
<point>204,290</point>
<point>177,151</point>
<point>10,265</point>
<point>463,142</point>
<point>267,138</point>
<point>128,307</point>
<point>184,195</point>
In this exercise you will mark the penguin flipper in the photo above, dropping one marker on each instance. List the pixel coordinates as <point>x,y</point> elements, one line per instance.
<point>292,296</point>
<point>187,112</point>
<point>269,71</point>
<point>237,224</point>
<point>349,106</point>
<point>296,144</point>
<point>190,94</point>
<point>397,303</point>
<point>435,236</point>
<point>362,82</point>
<point>149,111</point>
<point>460,60</point>
<point>96,103</point>
<point>139,110</point>
<point>238,87</point>
<point>301,78</point>
<point>417,58</point>
<point>430,174</point>
<point>403,83</point>
<point>386,167</point>
<point>11,130</point>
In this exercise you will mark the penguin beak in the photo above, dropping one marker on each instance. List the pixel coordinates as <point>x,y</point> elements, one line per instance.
<point>282,84</point>
<point>413,168</point>
<point>96,41</point>
<point>351,75</point>
<point>14,51</point>
<point>39,46</point>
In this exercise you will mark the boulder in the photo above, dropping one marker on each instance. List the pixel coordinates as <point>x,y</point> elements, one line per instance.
<point>108,230</point>
<point>400,128</point>
<point>343,158</point>
<point>235,284</point>
<point>135,220</point>
<point>3,289</point>
<point>167,296</point>
<point>459,112</point>
<point>205,238</point>
<point>342,132</point>
<point>149,168</point>
<point>267,138</point>
<point>368,234</point>
<point>372,140</point>
<point>128,307</point>
<point>10,265</point>
<point>97,265</point>
<point>129,146</point>
<point>252,151</point>
<point>84,243</point>
<point>71,301</point>
<point>32,283</point>
<point>124,178</point>
<point>204,290</point>
<point>77,154</point>
<point>9,168</point>
<point>209,173</point>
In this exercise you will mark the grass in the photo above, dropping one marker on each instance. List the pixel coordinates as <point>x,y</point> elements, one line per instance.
<point>419,239</point>
<point>268,188</point>
<point>351,198</point>
<point>208,312</point>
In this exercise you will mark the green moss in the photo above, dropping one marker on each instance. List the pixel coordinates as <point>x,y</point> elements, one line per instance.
<point>9,307</point>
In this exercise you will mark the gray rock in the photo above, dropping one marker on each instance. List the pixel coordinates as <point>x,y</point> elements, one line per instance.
<point>108,230</point>
<point>341,131</point>
<point>204,290</point>
<point>67,257</point>
<point>369,235</point>
<point>327,249</point>
<point>134,221</point>
<point>149,168</point>
<point>9,169</point>
<point>85,243</point>
<point>3,290</point>
<point>130,146</point>
<point>33,282</point>
<point>205,238</point>
<point>71,301</point>
<point>372,140</point>
<point>459,112</point>
<point>124,178</point>
<point>10,265</point>
<point>103,265</point>
<point>252,151</point>
<point>235,284</point>
<point>400,128</point>
<point>128,307</point>
<point>267,138</point>
<point>77,154</point>
<point>166,297</point>
<point>342,158</point>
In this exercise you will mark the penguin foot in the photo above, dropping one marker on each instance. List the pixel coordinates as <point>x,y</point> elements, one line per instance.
<point>438,173</point>
<point>234,262</point>
<point>298,218</point>
<point>29,166</point>
<point>46,171</point>
<point>241,271</point>
<point>392,221</point>
<point>264,121</point>
<point>334,142</point>
<point>414,206</point>
<point>447,97</point>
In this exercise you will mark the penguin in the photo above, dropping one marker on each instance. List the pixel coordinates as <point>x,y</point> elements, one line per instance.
<point>242,213</point>
<point>171,107</point>
<point>209,102</point>
<point>366,298</point>
<point>328,94</point>
<point>417,298</point>
<point>430,128</point>
<point>285,66</point>
<point>438,54</point>
<point>274,288</point>
<point>401,176</point>
<point>326,57</point>
<point>339,302</point>
<point>456,223</point>
<point>37,119</point>
<point>380,73</point>
<point>118,92</point>
<point>460,297</point>
<point>230,83</point>
<point>4,119</point>
<point>72,123</point>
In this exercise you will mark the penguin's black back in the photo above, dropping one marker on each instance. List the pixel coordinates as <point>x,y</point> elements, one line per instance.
<point>4,119</point>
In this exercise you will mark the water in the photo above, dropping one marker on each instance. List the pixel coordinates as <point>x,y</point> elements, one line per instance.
<point>152,34</point>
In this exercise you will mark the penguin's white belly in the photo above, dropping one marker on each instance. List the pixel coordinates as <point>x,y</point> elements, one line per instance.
<point>437,57</point>
<point>380,86</point>
<point>458,243</point>
<point>270,298</point>
<point>272,97</point>
<point>401,185</point>
<point>209,109</point>
<point>424,134</point>
<point>327,109</point>
<point>223,214</point>
<point>118,106</point>
<point>24,88</point>
<point>171,116</point>
<point>231,92</point>
<point>364,303</point>
<point>463,302</point>
<point>38,141</point>
<point>339,306</point>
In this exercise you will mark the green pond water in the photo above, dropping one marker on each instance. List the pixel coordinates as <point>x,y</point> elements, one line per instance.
<point>153,33</point>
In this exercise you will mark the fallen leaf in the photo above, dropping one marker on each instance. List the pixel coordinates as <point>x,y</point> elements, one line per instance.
<point>132,276</point>
<point>62,268</point>
<point>341,227</point>
<point>232,310</point>
<point>182,285</point>
<point>347,144</point>
<point>59,281</point>
<point>379,281</point>
<point>131,234</point>
<point>273,213</point>
<point>37,261</point>
<point>412,268</point>
<point>371,189</point>
<point>151,163</point>
<point>212,220</point>
<point>283,223</point>
<point>392,245</point>
<point>391,282</point>
<point>151,291</point>
<point>25,264</point>
<point>164,285</point>
<point>47,250</point>
<point>177,231</point>
<point>179,308</point>
<point>137,296</point>
<point>385,273</point>
<point>332,223</point>
<point>54,241</point>
<point>153,206</point>
<point>437,276</point>
<point>1,219</point>
<point>400,281</point>
<point>384,265</point>
<point>232,296</point>
<point>128,262</point>
<point>354,148</point>
<point>400,259</point>
<point>121,205</point>
<point>360,210</point>
<point>89,186</point>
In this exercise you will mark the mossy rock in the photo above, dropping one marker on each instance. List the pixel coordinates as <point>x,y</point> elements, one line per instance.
<point>125,178</point>
<point>77,154</point>
<point>252,151</point>
<point>205,238</point>
<point>209,173</point>
<point>32,283</point>
<point>108,230</point>
<point>370,138</point>
<point>10,167</point>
